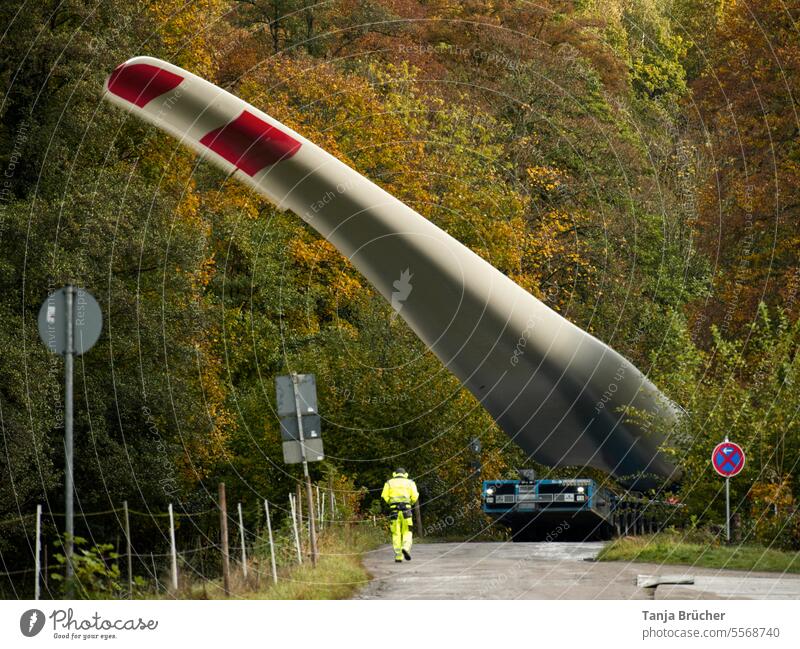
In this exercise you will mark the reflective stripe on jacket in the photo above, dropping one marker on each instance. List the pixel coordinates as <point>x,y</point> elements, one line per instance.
<point>400,490</point>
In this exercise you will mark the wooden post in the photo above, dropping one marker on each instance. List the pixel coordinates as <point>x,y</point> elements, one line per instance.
<point>223,533</point>
<point>319,507</point>
<point>298,503</point>
<point>38,558</point>
<point>128,547</point>
<point>418,517</point>
<point>173,550</point>
<point>292,500</point>
<point>199,554</point>
<point>241,536</point>
<point>271,543</point>
<point>311,532</point>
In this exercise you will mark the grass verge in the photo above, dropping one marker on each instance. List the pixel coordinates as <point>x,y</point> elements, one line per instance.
<point>674,548</point>
<point>338,575</point>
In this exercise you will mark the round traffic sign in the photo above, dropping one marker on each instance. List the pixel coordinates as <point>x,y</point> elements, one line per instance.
<point>87,321</point>
<point>727,459</point>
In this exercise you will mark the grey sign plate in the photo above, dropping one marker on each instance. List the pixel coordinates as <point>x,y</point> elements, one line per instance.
<point>87,321</point>
<point>307,388</point>
<point>314,451</point>
<point>312,428</point>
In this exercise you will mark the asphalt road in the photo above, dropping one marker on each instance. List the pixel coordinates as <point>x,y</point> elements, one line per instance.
<point>550,571</point>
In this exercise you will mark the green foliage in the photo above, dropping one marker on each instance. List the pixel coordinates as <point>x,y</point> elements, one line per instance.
<point>657,55</point>
<point>699,550</point>
<point>96,572</point>
<point>743,389</point>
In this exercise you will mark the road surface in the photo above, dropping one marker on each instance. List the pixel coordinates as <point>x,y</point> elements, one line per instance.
<point>550,571</point>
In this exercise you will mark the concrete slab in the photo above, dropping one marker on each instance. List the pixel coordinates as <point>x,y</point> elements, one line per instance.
<point>735,587</point>
<point>549,571</point>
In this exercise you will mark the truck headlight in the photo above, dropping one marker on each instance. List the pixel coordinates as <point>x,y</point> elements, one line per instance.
<point>489,491</point>
<point>581,490</point>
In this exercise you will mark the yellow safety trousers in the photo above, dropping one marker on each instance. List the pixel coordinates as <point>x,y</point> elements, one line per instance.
<point>401,534</point>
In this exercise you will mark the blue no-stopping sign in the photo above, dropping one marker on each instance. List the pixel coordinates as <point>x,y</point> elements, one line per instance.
<point>727,459</point>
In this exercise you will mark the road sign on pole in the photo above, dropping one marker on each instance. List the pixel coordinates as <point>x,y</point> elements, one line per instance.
<point>290,431</point>
<point>306,391</point>
<point>293,452</point>
<point>296,397</point>
<point>87,320</point>
<point>70,323</point>
<point>728,458</point>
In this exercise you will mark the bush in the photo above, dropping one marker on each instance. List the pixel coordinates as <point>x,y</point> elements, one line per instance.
<point>96,570</point>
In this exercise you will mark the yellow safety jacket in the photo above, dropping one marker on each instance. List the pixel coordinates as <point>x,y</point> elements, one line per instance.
<point>399,492</point>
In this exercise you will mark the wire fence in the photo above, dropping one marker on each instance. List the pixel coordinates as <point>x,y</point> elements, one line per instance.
<point>136,553</point>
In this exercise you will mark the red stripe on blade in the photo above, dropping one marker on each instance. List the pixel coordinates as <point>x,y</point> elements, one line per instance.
<point>140,83</point>
<point>250,143</point>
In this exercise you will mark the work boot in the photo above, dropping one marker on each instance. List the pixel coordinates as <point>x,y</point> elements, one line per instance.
<point>407,555</point>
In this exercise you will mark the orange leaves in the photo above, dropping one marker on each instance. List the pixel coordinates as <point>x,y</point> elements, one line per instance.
<point>201,277</point>
<point>545,179</point>
<point>555,254</point>
<point>749,203</point>
<point>770,494</point>
<point>234,197</point>
<point>321,264</point>
<point>183,30</point>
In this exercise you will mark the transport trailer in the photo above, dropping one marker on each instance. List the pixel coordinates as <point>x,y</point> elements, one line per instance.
<point>564,509</point>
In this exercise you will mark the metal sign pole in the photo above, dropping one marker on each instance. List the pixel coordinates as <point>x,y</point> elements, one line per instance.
<point>68,447</point>
<point>728,509</point>
<point>727,504</point>
<point>59,331</point>
<point>38,564</point>
<point>309,494</point>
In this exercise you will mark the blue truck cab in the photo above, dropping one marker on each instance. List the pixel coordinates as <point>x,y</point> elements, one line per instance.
<point>533,508</point>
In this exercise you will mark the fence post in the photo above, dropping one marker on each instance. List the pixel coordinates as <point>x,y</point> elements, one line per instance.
<point>418,516</point>
<point>155,572</point>
<point>331,500</point>
<point>128,547</point>
<point>38,558</point>
<point>271,543</point>
<point>294,526</point>
<point>173,550</point>
<point>241,535</point>
<point>319,508</point>
<point>223,533</point>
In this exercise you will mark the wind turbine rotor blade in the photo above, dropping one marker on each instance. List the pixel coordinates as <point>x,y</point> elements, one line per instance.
<point>557,391</point>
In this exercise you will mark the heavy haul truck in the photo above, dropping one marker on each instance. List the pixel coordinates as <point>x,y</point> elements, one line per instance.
<point>560,394</point>
<point>551,509</point>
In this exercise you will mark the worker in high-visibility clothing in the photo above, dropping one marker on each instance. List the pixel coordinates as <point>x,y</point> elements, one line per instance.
<point>400,494</point>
